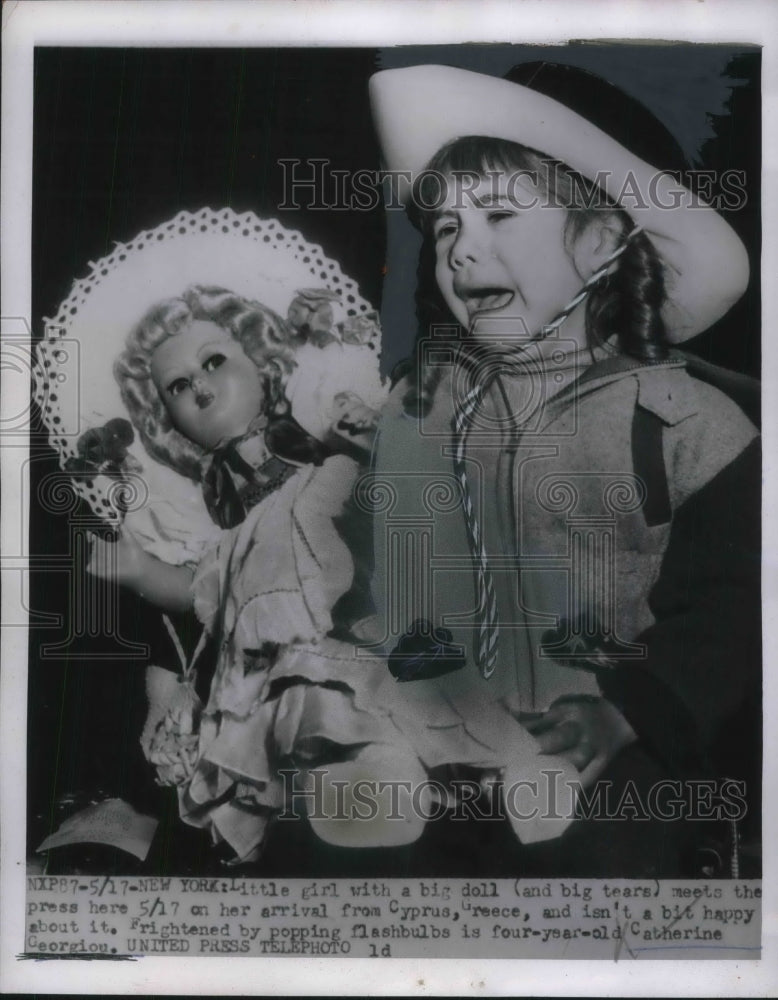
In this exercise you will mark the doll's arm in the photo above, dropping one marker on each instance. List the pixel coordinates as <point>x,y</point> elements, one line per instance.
<point>125,562</point>
<point>353,422</point>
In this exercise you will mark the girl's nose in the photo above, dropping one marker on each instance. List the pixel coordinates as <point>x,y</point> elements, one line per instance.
<point>467,248</point>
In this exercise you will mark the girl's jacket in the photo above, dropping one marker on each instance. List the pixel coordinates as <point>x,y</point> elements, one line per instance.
<point>620,511</point>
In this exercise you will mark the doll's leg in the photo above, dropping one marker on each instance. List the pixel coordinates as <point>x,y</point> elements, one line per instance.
<point>377,799</point>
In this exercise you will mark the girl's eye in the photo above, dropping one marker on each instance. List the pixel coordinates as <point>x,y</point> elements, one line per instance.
<point>213,362</point>
<point>499,214</point>
<point>177,386</point>
<point>444,229</point>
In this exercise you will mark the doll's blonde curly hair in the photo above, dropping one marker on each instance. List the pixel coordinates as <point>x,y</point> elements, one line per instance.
<point>264,336</point>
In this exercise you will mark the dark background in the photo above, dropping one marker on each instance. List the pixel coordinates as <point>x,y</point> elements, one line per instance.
<point>125,139</point>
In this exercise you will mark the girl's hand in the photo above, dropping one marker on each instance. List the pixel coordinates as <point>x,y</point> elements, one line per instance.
<point>122,560</point>
<point>586,730</point>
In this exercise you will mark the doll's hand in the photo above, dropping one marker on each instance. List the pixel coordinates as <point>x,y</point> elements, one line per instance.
<point>352,416</point>
<point>587,731</point>
<point>122,560</point>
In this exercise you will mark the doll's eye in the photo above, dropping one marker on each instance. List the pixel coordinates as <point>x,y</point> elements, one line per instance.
<point>213,361</point>
<point>177,386</point>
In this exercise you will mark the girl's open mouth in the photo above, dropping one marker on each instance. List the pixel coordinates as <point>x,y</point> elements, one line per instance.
<point>482,300</point>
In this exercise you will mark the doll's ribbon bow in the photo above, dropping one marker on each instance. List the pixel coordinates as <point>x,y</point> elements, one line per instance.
<point>290,446</point>
<point>220,491</point>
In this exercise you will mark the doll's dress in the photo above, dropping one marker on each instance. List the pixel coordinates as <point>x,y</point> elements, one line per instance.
<point>284,693</point>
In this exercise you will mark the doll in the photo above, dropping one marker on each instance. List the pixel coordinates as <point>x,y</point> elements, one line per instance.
<point>202,378</point>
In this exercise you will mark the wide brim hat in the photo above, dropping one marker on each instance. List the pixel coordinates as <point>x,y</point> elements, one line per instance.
<point>75,387</point>
<point>419,109</point>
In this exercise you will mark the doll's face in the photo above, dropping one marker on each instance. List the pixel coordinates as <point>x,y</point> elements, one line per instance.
<point>502,264</point>
<point>210,387</point>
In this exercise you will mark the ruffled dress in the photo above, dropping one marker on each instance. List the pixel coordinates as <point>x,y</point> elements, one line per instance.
<point>284,694</point>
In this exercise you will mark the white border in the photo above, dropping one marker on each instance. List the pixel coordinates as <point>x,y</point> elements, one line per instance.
<point>353,23</point>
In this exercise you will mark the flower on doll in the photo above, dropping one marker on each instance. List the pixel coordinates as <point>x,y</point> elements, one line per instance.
<point>311,315</point>
<point>104,451</point>
<point>361,330</point>
<point>173,745</point>
<point>312,318</point>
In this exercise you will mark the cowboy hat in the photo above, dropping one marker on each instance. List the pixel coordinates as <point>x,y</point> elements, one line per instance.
<point>419,109</point>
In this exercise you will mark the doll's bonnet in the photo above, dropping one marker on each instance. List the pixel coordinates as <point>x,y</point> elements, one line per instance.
<point>101,457</point>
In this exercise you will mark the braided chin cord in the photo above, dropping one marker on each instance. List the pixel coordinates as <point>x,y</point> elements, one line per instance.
<point>488,620</point>
<point>587,287</point>
<point>488,623</point>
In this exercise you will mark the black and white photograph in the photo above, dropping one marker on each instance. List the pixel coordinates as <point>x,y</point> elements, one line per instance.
<point>382,530</point>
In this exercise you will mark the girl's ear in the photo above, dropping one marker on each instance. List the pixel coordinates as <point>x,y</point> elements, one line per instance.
<point>595,243</point>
